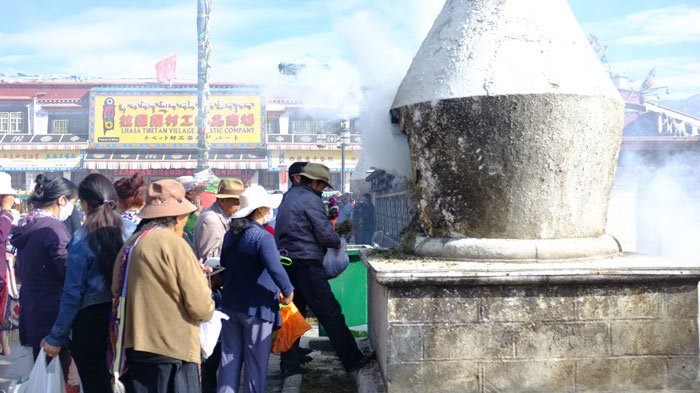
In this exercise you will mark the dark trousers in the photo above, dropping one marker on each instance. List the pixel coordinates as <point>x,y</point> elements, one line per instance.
<point>63,357</point>
<point>151,373</point>
<point>311,289</point>
<point>88,347</point>
<point>245,345</point>
<point>209,369</point>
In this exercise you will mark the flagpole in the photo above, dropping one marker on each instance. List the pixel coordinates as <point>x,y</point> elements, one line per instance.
<point>204,49</point>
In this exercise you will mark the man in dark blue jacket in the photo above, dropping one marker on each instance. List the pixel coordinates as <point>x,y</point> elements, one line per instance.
<point>304,231</point>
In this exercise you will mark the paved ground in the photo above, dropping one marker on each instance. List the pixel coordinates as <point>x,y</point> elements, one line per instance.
<point>17,365</point>
<point>325,373</point>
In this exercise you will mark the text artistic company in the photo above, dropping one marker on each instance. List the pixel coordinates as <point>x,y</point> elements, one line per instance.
<point>190,130</point>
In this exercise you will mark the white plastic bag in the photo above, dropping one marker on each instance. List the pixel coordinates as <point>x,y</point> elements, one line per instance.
<point>44,378</point>
<point>336,260</point>
<point>209,333</point>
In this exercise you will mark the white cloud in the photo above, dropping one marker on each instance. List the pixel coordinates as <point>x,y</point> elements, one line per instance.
<point>659,26</point>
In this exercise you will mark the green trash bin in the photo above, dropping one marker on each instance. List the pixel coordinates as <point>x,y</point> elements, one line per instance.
<point>350,288</point>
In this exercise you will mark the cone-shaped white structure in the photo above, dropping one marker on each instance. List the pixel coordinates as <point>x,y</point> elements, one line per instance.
<point>513,125</point>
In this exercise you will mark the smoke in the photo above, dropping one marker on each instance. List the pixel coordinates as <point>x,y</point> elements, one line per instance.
<point>381,46</point>
<point>654,207</point>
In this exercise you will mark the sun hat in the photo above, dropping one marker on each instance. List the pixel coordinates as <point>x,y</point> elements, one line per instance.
<point>254,197</point>
<point>166,198</point>
<point>231,187</point>
<point>6,184</point>
<point>190,184</point>
<point>316,171</point>
<point>215,264</point>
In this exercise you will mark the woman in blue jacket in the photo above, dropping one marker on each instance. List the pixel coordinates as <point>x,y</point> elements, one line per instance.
<point>251,293</point>
<point>85,308</point>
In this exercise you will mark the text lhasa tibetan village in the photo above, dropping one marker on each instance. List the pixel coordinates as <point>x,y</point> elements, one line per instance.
<point>153,119</point>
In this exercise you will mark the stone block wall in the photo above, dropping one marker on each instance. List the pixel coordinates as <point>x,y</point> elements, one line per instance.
<point>626,337</point>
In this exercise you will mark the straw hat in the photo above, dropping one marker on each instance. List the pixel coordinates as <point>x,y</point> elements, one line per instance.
<point>166,198</point>
<point>254,197</point>
<point>6,184</point>
<point>316,171</point>
<point>230,188</point>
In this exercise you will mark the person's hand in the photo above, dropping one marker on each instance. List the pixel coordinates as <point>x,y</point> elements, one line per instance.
<point>50,350</point>
<point>8,201</point>
<point>286,300</point>
<point>206,269</point>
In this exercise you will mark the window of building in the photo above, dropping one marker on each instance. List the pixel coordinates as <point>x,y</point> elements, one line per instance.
<point>17,180</point>
<point>68,122</point>
<point>60,126</point>
<point>273,125</point>
<point>311,126</point>
<point>269,180</point>
<point>11,122</point>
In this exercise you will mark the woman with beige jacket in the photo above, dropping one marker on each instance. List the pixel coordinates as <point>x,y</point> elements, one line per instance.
<point>167,296</point>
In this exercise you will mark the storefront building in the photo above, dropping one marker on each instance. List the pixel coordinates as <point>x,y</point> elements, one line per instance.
<point>117,129</point>
<point>43,129</point>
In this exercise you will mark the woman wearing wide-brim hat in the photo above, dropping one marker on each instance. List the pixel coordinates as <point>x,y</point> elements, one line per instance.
<point>251,292</point>
<point>167,296</point>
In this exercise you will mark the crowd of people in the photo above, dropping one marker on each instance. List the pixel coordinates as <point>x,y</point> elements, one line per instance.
<point>153,252</point>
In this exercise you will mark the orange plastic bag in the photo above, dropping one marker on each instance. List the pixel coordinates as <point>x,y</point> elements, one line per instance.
<point>293,326</point>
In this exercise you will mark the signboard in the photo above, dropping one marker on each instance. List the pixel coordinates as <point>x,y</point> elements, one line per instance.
<point>280,160</point>
<point>40,160</point>
<point>147,172</point>
<point>131,118</point>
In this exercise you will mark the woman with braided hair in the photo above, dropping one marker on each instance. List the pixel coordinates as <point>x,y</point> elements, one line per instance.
<point>85,308</point>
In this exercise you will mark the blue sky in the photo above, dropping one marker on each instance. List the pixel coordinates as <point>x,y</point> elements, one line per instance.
<point>125,38</point>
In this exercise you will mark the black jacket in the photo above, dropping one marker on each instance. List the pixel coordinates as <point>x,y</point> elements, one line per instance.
<point>302,227</point>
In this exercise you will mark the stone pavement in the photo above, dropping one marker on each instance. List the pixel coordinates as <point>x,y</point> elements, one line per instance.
<point>325,374</point>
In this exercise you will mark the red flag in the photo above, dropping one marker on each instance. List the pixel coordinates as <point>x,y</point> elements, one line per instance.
<point>165,69</point>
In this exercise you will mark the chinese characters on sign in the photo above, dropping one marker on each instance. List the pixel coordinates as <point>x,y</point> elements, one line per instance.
<point>149,172</point>
<point>58,160</point>
<point>152,119</point>
<point>329,158</point>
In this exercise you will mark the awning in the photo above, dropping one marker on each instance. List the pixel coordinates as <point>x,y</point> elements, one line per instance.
<point>238,159</point>
<point>234,159</point>
<point>42,142</point>
<point>139,160</point>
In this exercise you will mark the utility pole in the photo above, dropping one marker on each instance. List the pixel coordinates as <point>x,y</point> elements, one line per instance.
<point>203,52</point>
<point>344,138</point>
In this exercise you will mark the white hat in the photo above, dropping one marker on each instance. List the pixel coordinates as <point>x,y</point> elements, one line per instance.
<point>6,184</point>
<point>254,197</point>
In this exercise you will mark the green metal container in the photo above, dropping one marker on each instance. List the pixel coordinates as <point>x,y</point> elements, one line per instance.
<point>350,288</point>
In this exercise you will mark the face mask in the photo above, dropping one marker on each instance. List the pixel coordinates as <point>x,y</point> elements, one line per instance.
<point>66,211</point>
<point>269,216</point>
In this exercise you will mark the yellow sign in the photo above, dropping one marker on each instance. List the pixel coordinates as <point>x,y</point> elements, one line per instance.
<point>164,117</point>
<point>40,160</point>
<point>331,158</point>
